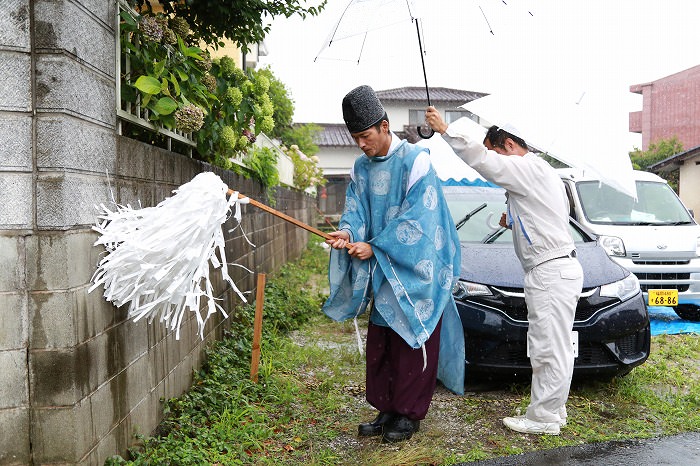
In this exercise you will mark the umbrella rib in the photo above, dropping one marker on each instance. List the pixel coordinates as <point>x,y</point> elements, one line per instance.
<point>487,20</point>
<point>339,21</point>
<point>364,38</point>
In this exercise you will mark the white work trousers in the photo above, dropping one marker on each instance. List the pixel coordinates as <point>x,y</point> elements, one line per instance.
<point>552,290</point>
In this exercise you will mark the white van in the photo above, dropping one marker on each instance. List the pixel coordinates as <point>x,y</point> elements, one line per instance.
<point>654,237</point>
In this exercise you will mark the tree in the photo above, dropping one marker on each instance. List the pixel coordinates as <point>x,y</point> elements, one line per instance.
<point>658,151</point>
<point>241,21</point>
<point>302,136</point>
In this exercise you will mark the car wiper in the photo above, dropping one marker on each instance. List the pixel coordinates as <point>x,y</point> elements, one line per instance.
<point>681,222</point>
<point>466,218</point>
<point>494,236</point>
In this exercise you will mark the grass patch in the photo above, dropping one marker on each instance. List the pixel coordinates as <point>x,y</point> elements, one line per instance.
<point>310,397</point>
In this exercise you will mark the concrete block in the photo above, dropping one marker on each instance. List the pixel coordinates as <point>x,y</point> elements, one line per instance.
<point>14,25</point>
<point>60,260</point>
<point>66,200</point>
<point>15,81</point>
<point>53,319</point>
<point>14,322</point>
<point>14,436</point>
<point>14,388</point>
<point>15,141</point>
<point>105,12</point>
<point>12,273</point>
<point>137,194</point>
<point>61,435</point>
<point>54,377</point>
<point>139,381</point>
<point>15,198</point>
<point>64,85</point>
<point>146,415</point>
<point>103,412</point>
<point>135,159</point>
<point>64,25</point>
<point>64,141</point>
<point>101,366</point>
<point>129,342</point>
<point>94,314</point>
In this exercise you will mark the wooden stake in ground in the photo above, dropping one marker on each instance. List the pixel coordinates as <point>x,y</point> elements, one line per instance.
<point>257,327</point>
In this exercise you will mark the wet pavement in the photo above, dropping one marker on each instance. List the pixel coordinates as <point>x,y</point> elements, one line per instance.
<point>683,449</point>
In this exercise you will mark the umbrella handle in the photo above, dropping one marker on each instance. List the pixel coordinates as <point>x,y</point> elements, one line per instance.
<point>425,136</point>
<point>425,76</point>
<point>286,217</point>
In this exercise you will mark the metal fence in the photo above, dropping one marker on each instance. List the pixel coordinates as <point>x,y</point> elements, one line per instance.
<point>134,113</point>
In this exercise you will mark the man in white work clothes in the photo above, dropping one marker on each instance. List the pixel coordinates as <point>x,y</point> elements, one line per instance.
<point>538,214</point>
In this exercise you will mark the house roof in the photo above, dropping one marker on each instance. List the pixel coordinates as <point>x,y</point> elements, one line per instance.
<point>333,135</point>
<point>437,94</point>
<point>337,135</point>
<point>671,163</point>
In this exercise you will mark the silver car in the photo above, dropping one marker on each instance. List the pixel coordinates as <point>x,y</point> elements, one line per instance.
<point>654,236</point>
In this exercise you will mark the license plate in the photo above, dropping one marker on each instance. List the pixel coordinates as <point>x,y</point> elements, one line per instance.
<point>663,297</point>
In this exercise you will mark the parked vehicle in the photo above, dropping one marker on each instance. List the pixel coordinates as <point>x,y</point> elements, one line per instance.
<point>611,318</point>
<point>655,236</point>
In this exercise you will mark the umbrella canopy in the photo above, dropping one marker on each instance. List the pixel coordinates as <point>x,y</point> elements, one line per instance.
<point>449,167</point>
<point>566,129</point>
<point>362,16</point>
<point>355,30</point>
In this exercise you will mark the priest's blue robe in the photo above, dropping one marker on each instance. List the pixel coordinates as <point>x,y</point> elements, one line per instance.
<point>416,256</point>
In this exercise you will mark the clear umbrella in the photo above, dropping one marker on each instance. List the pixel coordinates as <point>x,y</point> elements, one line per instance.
<point>348,37</point>
<point>567,129</point>
<point>373,25</point>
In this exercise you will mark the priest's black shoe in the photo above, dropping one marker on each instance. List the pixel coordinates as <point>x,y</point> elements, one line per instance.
<point>400,429</point>
<point>376,427</point>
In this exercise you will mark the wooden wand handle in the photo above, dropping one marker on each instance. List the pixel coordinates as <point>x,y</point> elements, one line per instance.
<point>286,217</point>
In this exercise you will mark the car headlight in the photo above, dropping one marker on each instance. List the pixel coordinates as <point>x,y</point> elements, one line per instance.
<point>613,245</point>
<point>464,289</point>
<point>623,289</point>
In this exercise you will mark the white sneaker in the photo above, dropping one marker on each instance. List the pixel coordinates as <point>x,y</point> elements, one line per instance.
<point>527,426</point>
<point>562,416</point>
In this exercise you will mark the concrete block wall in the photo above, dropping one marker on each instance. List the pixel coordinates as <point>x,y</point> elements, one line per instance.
<point>78,379</point>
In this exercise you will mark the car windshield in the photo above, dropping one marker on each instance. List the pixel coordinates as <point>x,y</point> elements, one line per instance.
<point>656,204</point>
<point>482,226</point>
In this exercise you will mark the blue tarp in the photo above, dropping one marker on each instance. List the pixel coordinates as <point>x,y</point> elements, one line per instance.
<point>665,321</point>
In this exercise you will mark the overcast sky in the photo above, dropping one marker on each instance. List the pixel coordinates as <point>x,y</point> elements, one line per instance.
<point>565,50</point>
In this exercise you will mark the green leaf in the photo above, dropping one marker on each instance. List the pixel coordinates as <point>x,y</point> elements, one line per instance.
<point>128,19</point>
<point>183,76</point>
<point>147,85</point>
<point>165,106</point>
<point>192,52</point>
<point>158,68</point>
<point>176,85</point>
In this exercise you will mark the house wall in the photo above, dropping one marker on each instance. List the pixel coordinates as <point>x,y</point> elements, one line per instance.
<point>688,186</point>
<point>78,378</point>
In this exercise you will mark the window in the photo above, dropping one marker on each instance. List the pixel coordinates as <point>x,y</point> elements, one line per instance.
<point>416,116</point>
<point>452,115</point>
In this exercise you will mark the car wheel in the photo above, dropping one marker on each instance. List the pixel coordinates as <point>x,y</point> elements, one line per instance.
<point>688,312</point>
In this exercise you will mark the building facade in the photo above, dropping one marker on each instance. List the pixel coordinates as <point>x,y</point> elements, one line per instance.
<point>670,107</point>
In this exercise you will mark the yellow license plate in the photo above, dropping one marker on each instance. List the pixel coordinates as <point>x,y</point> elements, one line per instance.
<point>663,297</point>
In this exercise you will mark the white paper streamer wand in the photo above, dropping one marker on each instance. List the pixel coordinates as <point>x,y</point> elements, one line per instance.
<point>158,258</point>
